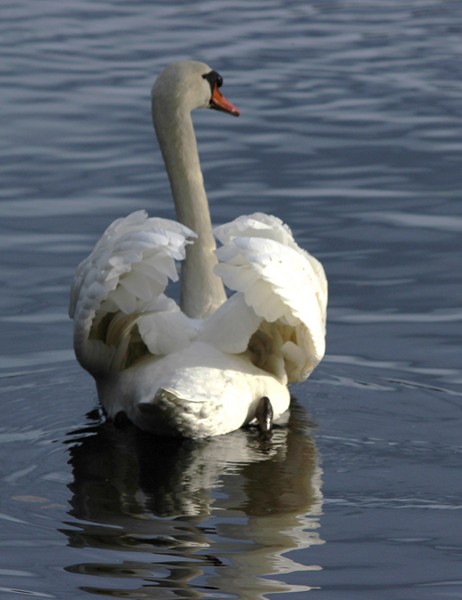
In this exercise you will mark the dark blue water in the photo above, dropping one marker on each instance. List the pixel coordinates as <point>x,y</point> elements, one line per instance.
<point>351,131</point>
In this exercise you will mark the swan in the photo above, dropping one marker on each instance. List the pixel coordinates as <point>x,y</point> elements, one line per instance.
<point>211,364</point>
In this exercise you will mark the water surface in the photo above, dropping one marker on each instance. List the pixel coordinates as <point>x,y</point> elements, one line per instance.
<point>351,132</point>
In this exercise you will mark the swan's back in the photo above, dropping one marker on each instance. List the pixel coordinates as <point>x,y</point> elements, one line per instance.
<point>149,359</point>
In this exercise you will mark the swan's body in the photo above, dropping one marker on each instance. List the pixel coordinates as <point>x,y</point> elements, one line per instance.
<point>203,369</point>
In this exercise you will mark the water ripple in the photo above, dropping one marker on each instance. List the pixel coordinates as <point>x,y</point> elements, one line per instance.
<point>351,131</point>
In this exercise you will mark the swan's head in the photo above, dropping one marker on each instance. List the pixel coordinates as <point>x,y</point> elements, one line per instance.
<point>190,84</point>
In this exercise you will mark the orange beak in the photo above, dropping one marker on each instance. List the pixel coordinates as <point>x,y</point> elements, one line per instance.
<point>219,102</point>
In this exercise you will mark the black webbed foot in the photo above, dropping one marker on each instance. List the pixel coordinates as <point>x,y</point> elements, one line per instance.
<point>264,415</point>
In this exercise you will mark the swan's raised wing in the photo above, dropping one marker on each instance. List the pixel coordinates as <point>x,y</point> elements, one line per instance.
<point>285,288</point>
<point>121,284</point>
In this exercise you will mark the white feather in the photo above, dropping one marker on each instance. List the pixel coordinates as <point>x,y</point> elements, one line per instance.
<point>229,329</point>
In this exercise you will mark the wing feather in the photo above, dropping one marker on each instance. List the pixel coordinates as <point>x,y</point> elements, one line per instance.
<point>127,273</point>
<point>230,327</point>
<point>284,285</point>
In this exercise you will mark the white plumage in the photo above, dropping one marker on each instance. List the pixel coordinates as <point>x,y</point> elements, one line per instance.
<point>203,369</point>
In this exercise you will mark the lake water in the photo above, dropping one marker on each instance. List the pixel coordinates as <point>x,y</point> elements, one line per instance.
<point>351,131</point>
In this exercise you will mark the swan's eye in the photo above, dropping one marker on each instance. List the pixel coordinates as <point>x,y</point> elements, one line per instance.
<point>214,79</point>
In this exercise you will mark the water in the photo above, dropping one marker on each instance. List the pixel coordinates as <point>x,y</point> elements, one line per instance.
<point>351,131</point>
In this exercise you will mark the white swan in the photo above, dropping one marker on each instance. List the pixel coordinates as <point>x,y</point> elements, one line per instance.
<point>211,366</point>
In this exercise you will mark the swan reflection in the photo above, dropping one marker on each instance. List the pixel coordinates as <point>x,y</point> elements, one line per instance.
<point>171,517</point>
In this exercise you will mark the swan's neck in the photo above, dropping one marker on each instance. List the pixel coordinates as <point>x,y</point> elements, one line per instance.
<point>202,292</point>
